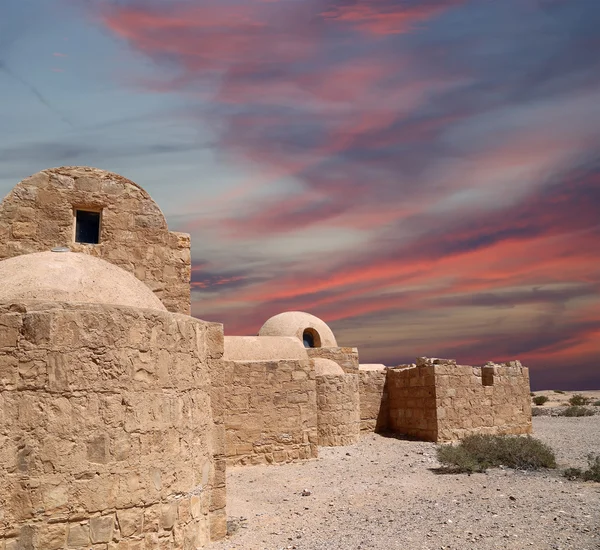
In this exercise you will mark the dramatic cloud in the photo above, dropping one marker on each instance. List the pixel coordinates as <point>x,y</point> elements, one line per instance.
<point>422,174</point>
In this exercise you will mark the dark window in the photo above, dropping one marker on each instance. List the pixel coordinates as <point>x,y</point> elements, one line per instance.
<point>487,376</point>
<point>87,227</point>
<point>311,338</point>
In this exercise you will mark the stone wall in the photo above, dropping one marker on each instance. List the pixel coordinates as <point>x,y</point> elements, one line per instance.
<point>38,215</point>
<point>338,410</point>
<point>347,358</point>
<point>438,400</point>
<point>373,398</point>
<point>465,405</point>
<point>412,402</point>
<point>106,429</point>
<point>270,402</point>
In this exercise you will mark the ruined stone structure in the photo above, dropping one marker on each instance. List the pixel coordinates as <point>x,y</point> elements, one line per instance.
<point>438,400</point>
<point>119,412</point>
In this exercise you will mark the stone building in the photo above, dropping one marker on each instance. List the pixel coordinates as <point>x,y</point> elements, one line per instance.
<point>119,412</point>
<point>111,424</point>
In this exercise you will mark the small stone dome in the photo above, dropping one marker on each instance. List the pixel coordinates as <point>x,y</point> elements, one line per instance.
<point>327,367</point>
<point>304,326</point>
<point>72,277</point>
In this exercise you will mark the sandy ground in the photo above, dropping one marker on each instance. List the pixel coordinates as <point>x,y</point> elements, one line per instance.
<point>383,493</point>
<point>561,399</point>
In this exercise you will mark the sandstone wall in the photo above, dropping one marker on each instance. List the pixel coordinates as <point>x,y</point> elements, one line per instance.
<point>466,406</point>
<point>347,358</point>
<point>412,401</point>
<point>270,401</point>
<point>373,392</point>
<point>106,431</point>
<point>38,215</point>
<point>338,410</point>
<point>438,400</point>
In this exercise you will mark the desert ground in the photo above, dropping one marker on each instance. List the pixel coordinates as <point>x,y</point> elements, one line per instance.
<point>384,493</point>
<point>561,398</point>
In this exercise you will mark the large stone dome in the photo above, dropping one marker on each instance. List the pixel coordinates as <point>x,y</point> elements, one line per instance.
<point>72,277</point>
<point>304,326</point>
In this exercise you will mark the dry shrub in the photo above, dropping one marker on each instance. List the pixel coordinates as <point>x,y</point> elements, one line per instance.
<point>540,399</point>
<point>577,411</point>
<point>476,453</point>
<point>591,474</point>
<point>579,400</point>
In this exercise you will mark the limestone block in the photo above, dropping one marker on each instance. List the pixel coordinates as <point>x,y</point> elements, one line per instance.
<point>101,529</point>
<point>52,537</point>
<point>78,535</point>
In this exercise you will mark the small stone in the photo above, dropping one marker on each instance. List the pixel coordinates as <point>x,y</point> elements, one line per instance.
<point>306,493</point>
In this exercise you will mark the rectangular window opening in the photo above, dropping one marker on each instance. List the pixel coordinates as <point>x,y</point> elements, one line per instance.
<point>487,376</point>
<point>87,226</point>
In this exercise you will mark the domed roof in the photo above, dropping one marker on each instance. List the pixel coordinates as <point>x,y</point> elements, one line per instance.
<point>304,326</point>
<point>327,367</point>
<point>72,277</point>
<point>266,348</point>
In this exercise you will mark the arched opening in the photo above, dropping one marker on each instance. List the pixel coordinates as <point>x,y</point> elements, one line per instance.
<point>311,338</point>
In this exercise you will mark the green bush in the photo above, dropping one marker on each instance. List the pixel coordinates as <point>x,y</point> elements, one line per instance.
<point>596,403</point>
<point>577,411</point>
<point>540,399</point>
<point>579,400</point>
<point>591,474</point>
<point>476,453</point>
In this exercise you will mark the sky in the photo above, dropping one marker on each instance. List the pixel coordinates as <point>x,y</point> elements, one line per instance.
<point>423,175</point>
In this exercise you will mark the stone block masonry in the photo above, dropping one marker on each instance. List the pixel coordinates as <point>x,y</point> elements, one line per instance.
<point>374,407</point>
<point>347,358</point>
<point>412,404</point>
<point>39,214</point>
<point>270,403</point>
<point>338,407</point>
<point>107,437</point>
<point>438,400</point>
<point>493,399</point>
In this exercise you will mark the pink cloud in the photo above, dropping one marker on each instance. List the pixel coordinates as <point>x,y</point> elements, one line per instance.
<point>384,18</point>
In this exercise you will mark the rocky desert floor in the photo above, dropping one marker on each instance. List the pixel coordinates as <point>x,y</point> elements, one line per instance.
<point>384,493</point>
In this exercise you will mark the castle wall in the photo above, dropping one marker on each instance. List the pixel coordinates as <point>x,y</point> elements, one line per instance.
<point>438,400</point>
<point>38,215</point>
<point>374,408</point>
<point>466,406</point>
<point>107,438</point>
<point>270,402</point>
<point>412,402</point>
<point>338,409</point>
<point>347,358</point>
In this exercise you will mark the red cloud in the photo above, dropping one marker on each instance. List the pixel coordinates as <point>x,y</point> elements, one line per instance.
<point>383,18</point>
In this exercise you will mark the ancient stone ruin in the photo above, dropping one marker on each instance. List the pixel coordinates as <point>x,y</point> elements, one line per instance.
<point>119,412</point>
